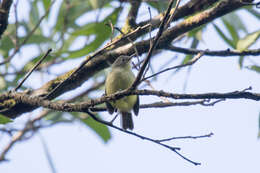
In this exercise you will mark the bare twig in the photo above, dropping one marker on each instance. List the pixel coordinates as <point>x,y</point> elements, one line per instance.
<point>174,149</point>
<point>220,53</point>
<point>192,61</point>
<point>152,47</point>
<point>186,137</point>
<point>30,72</point>
<point>159,104</point>
<point>47,153</point>
<point>16,24</point>
<point>18,136</point>
<point>174,13</point>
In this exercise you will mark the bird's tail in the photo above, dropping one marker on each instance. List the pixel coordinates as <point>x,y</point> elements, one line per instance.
<point>127,121</point>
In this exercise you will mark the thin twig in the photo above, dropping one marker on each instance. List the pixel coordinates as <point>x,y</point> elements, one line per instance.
<point>174,149</point>
<point>152,47</point>
<point>47,153</point>
<point>186,137</point>
<point>16,24</point>
<point>129,39</point>
<point>174,13</point>
<point>192,61</point>
<point>161,104</point>
<point>220,53</point>
<point>30,72</point>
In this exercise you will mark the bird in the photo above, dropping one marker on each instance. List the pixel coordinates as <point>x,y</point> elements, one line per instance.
<point>120,78</point>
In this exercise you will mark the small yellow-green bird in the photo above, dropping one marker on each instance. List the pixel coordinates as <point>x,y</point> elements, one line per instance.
<point>121,77</point>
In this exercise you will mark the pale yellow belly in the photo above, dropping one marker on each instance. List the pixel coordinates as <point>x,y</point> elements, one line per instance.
<point>119,80</point>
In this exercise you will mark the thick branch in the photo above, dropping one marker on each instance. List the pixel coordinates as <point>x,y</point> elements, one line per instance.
<point>81,107</point>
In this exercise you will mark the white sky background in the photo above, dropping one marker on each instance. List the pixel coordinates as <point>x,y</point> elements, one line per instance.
<point>234,147</point>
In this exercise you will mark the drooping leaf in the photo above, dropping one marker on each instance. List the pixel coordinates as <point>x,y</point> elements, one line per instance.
<point>241,61</point>
<point>4,119</point>
<point>194,45</point>
<point>197,32</point>
<point>254,68</point>
<point>234,20</point>
<point>34,14</point>
<point>223,36</point>
<point>232,31</point>
<point>247,41</point>
<point>100,129</point>
<point>54,116</point>
<point>187,58</point>
<point>46,4</point>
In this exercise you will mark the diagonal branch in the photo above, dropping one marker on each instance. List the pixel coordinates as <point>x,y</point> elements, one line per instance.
<point>162,27</point>
<point>158,142</point>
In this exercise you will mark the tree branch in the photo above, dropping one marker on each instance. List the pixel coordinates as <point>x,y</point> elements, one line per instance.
<point>223,53</point>
<point>4,13</point>
<point>82,106</point>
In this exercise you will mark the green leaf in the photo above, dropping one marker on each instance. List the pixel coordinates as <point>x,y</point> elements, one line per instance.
<point>54,116</point>
<point>68,13</point>
<point>197,32</point>
<point>194,45</point>
<point>99,30</point>
<point>187,58</point>
<point>4,119</point>
<point>5,46</point>
<point>247,41</point>
<point>253,12</point>
<point>100,129</point>
<point>2,83</point>
<point>36,39</point>
<point>232,31</point>
<point>254,68</point>
<point>241,61</point>
<point>46,4</point>
<point>224,37</point>
<point>234,20</point>
<point>34,14</point>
